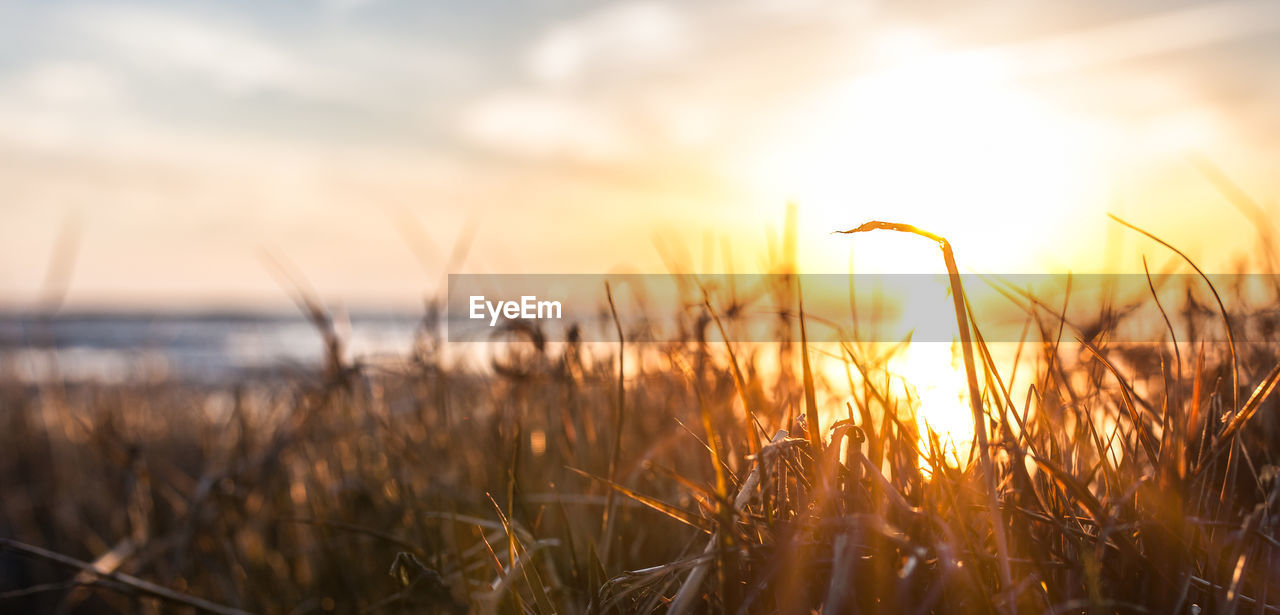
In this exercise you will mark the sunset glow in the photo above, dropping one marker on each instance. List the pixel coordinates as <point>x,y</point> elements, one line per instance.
<point>639,306</point>
<point>944,137</point>
<point>936,375</point>
<point>227,132</point>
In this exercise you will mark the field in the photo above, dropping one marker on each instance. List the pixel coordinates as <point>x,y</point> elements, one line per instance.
<point>679,478</point>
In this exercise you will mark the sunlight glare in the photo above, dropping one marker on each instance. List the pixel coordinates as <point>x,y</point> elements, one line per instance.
<point>936,374</point>
<point>946,142</point>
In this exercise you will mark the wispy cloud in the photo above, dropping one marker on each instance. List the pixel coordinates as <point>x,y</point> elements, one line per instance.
<point>281,121</point>
<point>622,38</point>
<point>547,125</point>
<point>229,56</point>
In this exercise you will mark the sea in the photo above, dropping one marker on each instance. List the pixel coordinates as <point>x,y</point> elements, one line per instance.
<point>209,348</point>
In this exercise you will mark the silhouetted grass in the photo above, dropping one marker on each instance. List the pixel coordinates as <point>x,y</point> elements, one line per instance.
<point>1129,478</point>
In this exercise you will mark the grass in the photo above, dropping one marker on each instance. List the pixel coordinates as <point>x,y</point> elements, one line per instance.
<point>1129,479</point>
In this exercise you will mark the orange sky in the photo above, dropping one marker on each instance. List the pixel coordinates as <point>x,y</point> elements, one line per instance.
<point>174,145</point>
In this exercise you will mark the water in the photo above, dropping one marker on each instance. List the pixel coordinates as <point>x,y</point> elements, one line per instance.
<point>213,348</point>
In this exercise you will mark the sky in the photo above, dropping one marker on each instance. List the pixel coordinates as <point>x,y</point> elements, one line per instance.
<point>175,155</point>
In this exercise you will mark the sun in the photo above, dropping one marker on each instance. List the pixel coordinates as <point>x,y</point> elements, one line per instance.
<point>955,143</point>
<point>948,142</point>
<point>933,371</point>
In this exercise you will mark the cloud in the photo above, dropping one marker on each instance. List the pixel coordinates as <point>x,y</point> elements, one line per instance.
<point>609,86</point>
<point>621,37</point>
<point>69,83</point>
<point>269,118</point>
<point>642,80</point>
<point>543,124</point>
<point>231,56</point>
<point>346,6</point>
<point>60,103</point>
<point>1147,36</point>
